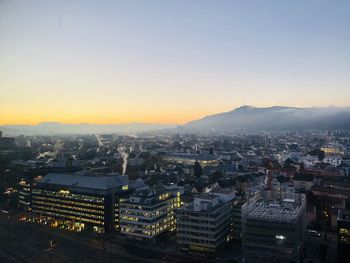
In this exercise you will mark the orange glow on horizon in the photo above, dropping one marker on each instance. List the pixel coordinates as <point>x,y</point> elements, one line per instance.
<point>165,118</point>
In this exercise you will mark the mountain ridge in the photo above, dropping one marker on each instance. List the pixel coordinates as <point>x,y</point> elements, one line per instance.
<point>246,117</point>
<point>275,118</point>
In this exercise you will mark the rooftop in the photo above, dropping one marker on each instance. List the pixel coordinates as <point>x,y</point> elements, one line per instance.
<point>85,181</point>
<point>199,157</point>
<point>152,196</point>
<point>286,211</point>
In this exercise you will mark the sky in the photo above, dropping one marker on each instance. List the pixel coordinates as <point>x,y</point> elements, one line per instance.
<point>168,61</point>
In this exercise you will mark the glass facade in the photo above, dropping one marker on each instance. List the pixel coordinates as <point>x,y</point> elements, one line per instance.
<point>71,210</point>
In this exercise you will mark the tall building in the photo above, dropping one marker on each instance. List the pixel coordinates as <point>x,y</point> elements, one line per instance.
<point>343,236</point>
<point>273,227</point>
<point>148,213</point>
<point>237,217</point>
<point>77,201</point>
<point>206,224</point>
<point>25,194</point>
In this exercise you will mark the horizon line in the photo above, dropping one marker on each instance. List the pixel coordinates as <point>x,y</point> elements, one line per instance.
<point>163,123</point>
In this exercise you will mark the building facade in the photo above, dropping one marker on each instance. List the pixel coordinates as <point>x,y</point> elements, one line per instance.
<point>206,224</point>
<point>149,213</point>
<point>343,232</point>
<point>77,202</point>
<point>273,227</point>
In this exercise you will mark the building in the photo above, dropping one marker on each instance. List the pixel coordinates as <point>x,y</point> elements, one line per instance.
<point>25,194</point>
<point>148,213</point>
<point>333,148</point>
<point>273,227</point>
<point>77,201</point>
<point>237,217</point>
<point>206,224</point>
<point>343,236</point>
<point>7,143</point>
<point>303,182</point>
<point>190,159</point>
<point>333,160</point>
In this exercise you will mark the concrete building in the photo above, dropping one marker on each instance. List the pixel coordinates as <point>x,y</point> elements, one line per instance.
<point>206,223</point>
<point>343,236</point>
<point>333,160</point>
<point>238,203</point>
<point>303,182</point>
<point>273,227</point>
<point>148,213</point>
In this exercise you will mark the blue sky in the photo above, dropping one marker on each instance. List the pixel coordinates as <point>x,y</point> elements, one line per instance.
<point>168,61</point>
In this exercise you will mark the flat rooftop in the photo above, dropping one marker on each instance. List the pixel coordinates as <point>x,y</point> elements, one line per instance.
<point>85,181</point>
<point>263,210</point>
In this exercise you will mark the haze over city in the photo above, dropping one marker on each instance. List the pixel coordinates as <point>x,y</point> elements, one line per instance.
<point>168,62</point>
<point>187,131</point>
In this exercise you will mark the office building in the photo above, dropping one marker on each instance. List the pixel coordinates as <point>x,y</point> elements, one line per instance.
<point>148,213</point>
<point>273,227</point>
<point>343,232</point>
<point>206,224</point>
<point>77,201</point>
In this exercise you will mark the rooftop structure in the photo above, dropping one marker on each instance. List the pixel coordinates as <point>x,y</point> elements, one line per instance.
<point>86,181</point>
<point>273,226</point>
<point>285,211</point>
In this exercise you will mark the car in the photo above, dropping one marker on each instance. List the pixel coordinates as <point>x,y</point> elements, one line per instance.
<point>313,233</point>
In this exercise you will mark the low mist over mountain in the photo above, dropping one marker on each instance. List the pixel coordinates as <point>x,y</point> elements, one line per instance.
<point>275,118</point>
<point>242,118</point>
<point>52,128</point>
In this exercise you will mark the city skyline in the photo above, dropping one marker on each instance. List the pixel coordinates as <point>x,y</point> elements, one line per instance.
<point>168,62</point>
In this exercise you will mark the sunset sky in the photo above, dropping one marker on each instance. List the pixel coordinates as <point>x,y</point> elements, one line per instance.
<point>168,61</point>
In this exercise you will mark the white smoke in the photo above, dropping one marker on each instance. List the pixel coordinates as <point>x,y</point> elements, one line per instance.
<point>99,141</point>
<point>28,143</point>
<point>46,155</point>
<point>141,148</point>
<point>124,154</point>
<point>52,154</point>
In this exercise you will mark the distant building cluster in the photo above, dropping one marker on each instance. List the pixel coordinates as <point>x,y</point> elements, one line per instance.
<point>265,196</point>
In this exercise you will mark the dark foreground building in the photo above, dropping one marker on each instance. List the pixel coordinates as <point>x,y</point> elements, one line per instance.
<point>343,236</point>
<point>205,224</point>
<point>273,227</point>
<point>77,201</point>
